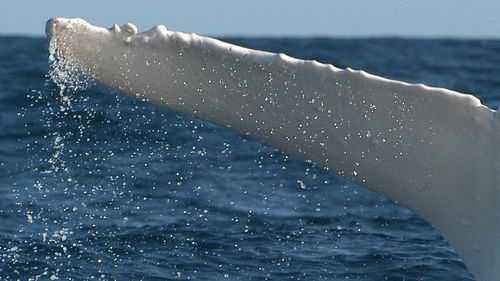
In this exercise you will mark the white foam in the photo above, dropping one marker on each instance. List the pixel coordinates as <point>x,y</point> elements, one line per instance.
<point>433,150</point>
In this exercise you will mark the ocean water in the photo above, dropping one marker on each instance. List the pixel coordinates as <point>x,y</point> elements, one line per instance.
<point>98,186</point>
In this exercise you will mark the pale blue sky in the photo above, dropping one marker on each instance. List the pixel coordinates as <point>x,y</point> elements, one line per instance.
<point>409,18</point>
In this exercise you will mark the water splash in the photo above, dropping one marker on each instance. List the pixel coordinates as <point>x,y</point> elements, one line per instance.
<point>50,220</point>
<point>69,82</point>
<point>64,74</point>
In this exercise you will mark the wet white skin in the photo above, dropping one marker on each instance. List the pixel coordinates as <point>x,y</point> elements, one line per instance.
<point>432,150</point>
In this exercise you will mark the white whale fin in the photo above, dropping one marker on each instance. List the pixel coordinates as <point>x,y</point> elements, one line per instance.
<point>433,150</point>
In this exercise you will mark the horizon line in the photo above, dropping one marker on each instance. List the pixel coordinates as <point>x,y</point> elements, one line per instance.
<point>312,36</point>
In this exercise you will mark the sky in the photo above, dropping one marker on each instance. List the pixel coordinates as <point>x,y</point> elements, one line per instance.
<point>279,18</point>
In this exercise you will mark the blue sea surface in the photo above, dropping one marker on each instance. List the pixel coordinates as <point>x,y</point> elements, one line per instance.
<point>98,186</point>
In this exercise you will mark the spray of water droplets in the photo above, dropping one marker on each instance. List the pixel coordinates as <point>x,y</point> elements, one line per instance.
<point>64,74</point>
<point>50,217</point>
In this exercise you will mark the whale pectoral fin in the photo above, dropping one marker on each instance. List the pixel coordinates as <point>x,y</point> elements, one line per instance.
<point>433,150</point>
